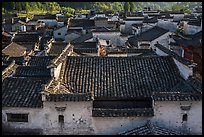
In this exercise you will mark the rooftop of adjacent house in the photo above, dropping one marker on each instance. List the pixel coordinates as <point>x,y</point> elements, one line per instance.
<point>82,38</point>
<point>151,129</point>
<point>30,46</point>
<point>85,45</point>
<point>26,37</point>
<point>148,35</point>
<point>32,71</point>
<point>104,29</point>
<point>22,92</point>
<point>14,50</point>
<point>85,23</point>
<point>40,60</point>
<point>173,54</point>
<point>57,48</point>
<point>100,78</point>
<point>189,40</point>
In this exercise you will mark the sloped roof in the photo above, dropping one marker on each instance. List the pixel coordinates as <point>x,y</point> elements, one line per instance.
<point>102,78</point>
<point>57,48</point>
<point>14,50</point>
<point>83,38</point>
<point>40,60</point>
<point>32,71</point>
<point>151,129</point>
<point>85,23</point>
<point>26,37</point>
<point>148,35</point>
<point>22,92</point>
<point>173,54</point>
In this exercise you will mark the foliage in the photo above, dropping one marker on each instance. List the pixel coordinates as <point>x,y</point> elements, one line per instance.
<point>67,11</point>
<point>132,6</point>
<point>31,7</point>
<point>127,7</point>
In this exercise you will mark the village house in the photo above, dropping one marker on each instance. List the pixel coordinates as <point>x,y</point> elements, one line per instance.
<point>31,37</point>
<point>59,33</point>
<point>100,103</point>
<point>143,39</point>
<point>19,26</point>
<point>102,74</point>
<point>84,24</point>
<point>72,34</point>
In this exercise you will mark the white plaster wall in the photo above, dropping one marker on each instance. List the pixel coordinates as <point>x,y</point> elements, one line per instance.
<point>82,121</point>
<point>77,118</point>
<point>191,29</point>
<point>60,24</point>
<point>57,71</point>
<point>171,26</point>
<point>159,39</point>
<point>49,22</point>
<point>128,25</point>
<point>122,28</point>
<point>63,32</point>
<point>114,37</point>
<point>169,114</point>
<point>35,116</point>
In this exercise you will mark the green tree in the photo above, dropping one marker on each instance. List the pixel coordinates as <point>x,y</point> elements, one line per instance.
<point>132,6</point>
<point>127,6</point>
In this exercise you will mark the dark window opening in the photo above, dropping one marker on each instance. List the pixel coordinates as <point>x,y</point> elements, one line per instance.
<point>185,117</point>
<point>125,104</point>
<point>61,119</point>
<point>17,117</point>
<point>59,33</point>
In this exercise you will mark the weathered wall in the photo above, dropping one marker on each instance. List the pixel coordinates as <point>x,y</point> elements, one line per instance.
<point>78,118</point>
<point>169,114</point>
<point>35,118</point>
<point>57,71</point>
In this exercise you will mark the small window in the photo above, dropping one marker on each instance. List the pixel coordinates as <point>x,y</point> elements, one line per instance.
<point>185,117</point>
<point>59,33</point>
<point>61,119</point>
<point>17,117</point>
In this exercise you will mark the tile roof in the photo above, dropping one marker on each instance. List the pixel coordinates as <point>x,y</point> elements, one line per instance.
<point>22,92</point>
<point>85,45</point>
<point>197,84</point>
<point>57,48</point>
<point>173,54</point>
<point>102,78</point>
<point>62,56</point>
<point>26,37</point>
<point>151,129</point>
<point>40,60</point>
<point>85,23</point>
<point>83,38</point>
<point>100,112</point>
<point>148,35</point>
<point>18,60</point>
<point>189,40</point>
<point>32,71</point>
<point>30,46</point>
<point>14,50</point>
